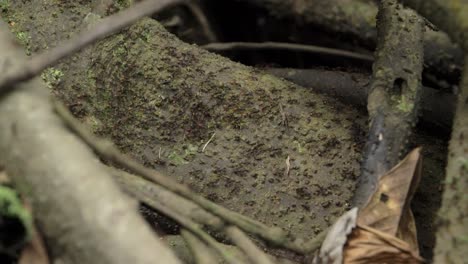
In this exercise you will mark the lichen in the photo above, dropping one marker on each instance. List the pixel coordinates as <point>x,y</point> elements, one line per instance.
<point>52,77</point>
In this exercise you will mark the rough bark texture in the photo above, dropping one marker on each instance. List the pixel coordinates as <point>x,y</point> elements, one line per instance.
<point>452,234</point>
<point>161,100</point>
<point>83,215</point>
<point>394,94</point>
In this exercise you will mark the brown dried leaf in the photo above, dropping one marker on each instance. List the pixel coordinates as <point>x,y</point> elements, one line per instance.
<point>369,245</point>
<point>388,210</point>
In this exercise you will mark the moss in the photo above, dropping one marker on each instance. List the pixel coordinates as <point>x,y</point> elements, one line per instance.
<point>52,77</point>
<point>122,4</point>
<point>405,106</point>
<point>4,5</point>
<point>187,153</point>
<point>12,207</point>
<point>24,39</point>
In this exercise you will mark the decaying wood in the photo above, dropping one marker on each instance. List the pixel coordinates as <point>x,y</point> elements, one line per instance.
<point>394,94</point>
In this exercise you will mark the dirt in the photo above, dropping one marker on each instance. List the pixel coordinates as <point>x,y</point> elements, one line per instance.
<point>259,145</point>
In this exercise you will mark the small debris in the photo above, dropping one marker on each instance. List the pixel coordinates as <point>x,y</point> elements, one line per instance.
<point>208,142</point>
<point>288,167</point>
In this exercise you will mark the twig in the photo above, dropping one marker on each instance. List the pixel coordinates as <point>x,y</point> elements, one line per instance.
<point>208,142</point>
<point>107,26</point>
<point>109,152</point>
<point>201,253</point>
<point>196,230</point>
<point>241,240</point>
<point>285,46</point>
<point>204,23</point>
<point>288,167</point>
<point>150,193</point>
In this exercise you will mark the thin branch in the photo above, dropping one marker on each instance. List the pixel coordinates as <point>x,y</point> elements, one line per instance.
<point>107,151</point>
<point>204,23</point>
<point>150,193</point>
<point>196,230</point>
<point>285,46</point>
<point>104,28</point>
<point>241,240</point>
<point>201,253</point>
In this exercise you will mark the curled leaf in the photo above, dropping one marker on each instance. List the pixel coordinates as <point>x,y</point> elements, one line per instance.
<point>388,210</point>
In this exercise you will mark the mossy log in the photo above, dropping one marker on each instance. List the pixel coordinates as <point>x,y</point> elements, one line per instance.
<point>279,153</point>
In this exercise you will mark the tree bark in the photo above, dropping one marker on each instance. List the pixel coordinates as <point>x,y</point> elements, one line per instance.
<point>452,234</point>
<point>394,95</point>
<point>85,218</point>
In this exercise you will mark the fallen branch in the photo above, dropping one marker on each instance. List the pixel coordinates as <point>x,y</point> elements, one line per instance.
<point>196,230</point>
<point>152,194</point>
<point>217,47</point>
<point>241,240</point>
<point>200,252</point>
<point>394,94</point>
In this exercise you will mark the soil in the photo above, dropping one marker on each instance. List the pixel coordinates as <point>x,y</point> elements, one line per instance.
<point>259,145</point>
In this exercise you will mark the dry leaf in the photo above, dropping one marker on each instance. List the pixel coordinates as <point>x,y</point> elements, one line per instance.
<point>384,230</point>
<point>369,245</point>
<point>388,209</point>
